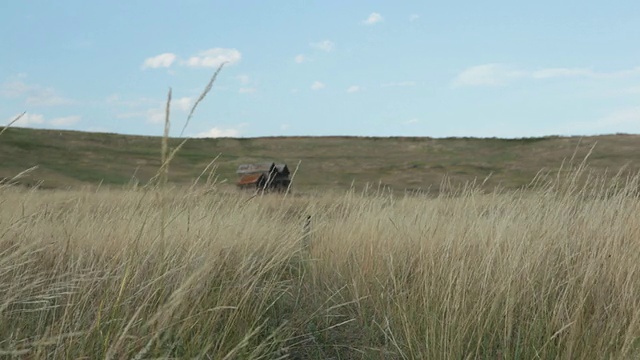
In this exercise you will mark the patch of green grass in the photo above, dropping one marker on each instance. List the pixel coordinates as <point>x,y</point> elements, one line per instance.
<point>327,162</point>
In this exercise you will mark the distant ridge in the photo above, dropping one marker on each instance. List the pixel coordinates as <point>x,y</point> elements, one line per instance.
<point>73,158</point>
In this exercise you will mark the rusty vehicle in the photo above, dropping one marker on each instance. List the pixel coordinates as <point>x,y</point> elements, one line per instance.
<point>267,176</point>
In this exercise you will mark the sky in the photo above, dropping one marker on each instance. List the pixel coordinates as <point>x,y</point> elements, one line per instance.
<point>317,68</point>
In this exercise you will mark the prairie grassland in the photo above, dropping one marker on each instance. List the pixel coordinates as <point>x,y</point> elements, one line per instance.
<point>552,272</point>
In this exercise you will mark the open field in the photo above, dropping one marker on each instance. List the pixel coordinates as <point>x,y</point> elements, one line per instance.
<point>73,159</point>
<point>200,273</point>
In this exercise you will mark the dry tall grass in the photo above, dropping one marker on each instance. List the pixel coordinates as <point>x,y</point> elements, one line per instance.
<point>548,273</point>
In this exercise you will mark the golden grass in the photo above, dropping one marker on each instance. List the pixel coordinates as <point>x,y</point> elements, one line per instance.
<point>548,273</point>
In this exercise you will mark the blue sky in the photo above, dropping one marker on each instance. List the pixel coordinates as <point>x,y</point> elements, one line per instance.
<point>365,68</point>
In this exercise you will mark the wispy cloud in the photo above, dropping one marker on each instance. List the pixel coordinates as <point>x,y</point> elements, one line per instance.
<point>497,74</point>
<point>317,85</point>
<point>623,116</point>
<point>183,103</point>
<point>27,120</point>
<point>65,121</point>
<point>412,121</point>
<point>153,116</point>
<point>353,89</point>
<point>204,59</point>
<point>117,100</point>
<point>213,58</point>
<point>155,112</point>
<point>47,97</point>
<point>633,90</point>
<point>373,18</point>
<point>217,132</point>
<point>244,79</point>
<point>399,84</point>
<point>299,59</point>
<point>621,74</point>
<point>15,89</point>
<point>625,120</point>
<point>163,60</point>
<point>562,72</point>
<point>487,75</point>
<point>414,17</point>
<point>622,120</point>
<point>34,95</point>
<point>33,120</point>
<point>325,45</point>
<point>246,87</point>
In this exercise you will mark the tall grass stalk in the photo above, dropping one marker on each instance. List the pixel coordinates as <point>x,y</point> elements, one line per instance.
<point>164,154</point>
<point>169,154</point>
<point>12,122</point>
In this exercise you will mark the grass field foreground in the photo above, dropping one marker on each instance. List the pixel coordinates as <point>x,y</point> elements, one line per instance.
<point>546,273</point>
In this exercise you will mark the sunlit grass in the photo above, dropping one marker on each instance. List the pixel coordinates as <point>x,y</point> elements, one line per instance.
<point>548,273</point>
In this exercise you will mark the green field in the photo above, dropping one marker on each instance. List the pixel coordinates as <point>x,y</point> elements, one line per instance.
<point>70,159</point>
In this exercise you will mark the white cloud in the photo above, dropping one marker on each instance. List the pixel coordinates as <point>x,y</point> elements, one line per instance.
<point>353,88</point>
<point>34,95</point>
<point>183,103</point>
<point>412,121</point>
<point>47,97</point>
<point>284,126</point>
<point>247,90</point>
<point>325,45</point>
<point>244,79</point>
<point>414,17</point>
<point>30,120</point>
<point>628,116</point>
<point>617,91</point>
<point>153,116</point>
<point>502,74</point>
<point>14,89</point>
<point>214,58</point>
<point>155,111</point>
<point>27,120</point>
<point>373,18</point>
<point>163,60</point>
<point>634,90</point>
<point>625,120</point>
<point>65,121</point>
<point>487,75</point>
<point>299,59</point>
<point>561,72</point>
<point>116,100</point>
<point>218,133</point>
<point>620,74</point>
<point>113,99</point>
<point>399,84</point>
<point>208,58</point>
<point>156,116</point>
<point>317,85</point>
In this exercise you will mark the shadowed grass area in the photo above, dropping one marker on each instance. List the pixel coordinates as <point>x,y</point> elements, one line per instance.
<point>73,158</point>
<point>201,273</point>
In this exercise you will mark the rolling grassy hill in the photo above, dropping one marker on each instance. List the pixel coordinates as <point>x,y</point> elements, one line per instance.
<point>71,159</point>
